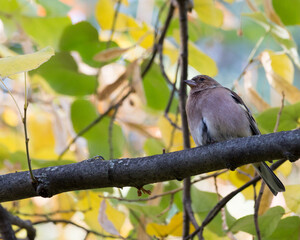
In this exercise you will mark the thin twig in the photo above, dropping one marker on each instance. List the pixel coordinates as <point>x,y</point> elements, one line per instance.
<point>161,9</point>
<point>24,120</point>
<point>161,63</point>
<point>10,93</point>
<point>257,201</point>
<point>161,39</point>
<point>171,192</point>
<point>279,112</point>
<point>47,215</point>
<point>174,129</point>
<point>171,100</point>
<point>114,23</point>
<point>94,122</point>
<point>210,216</point>
<point>244,173</point>
<point>223,214</point>
<point>168,208</point>
<point>57,221</point>
<point>187,204</point>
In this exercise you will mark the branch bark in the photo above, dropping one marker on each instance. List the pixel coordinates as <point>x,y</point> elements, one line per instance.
<point>136,172</point>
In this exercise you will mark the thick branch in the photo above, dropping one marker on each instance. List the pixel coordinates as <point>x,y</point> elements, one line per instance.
<point>95,173</point>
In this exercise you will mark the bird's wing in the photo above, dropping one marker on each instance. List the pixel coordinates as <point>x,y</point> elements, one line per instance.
<point>252,122</point>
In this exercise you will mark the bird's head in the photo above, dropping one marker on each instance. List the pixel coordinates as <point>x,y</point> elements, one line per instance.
<point>201,82</point>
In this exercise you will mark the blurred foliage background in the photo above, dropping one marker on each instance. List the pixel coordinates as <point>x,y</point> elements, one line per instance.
<point>97,93</point>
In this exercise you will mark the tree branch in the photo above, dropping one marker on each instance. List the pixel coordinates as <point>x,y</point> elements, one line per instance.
<point>6,230</point>
<point>161,39</point>
<point>210,216</point>
<point>187,213</point>
<point>136,172</point>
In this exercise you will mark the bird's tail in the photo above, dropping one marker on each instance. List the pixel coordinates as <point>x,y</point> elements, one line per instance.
<point>269,177</point>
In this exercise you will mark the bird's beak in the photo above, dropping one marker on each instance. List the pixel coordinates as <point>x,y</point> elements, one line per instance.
<point>191,83</point>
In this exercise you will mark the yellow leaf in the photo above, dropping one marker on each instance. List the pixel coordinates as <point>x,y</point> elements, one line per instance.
<point>143,35</point>
<point>10,117</point>
<point>237,178</point>
<point>292,197</point>
<point>280,74</point>
<point>13,142</point>
<point>168,136</point>
<point>208,13</point>
<point>65,205</point>
<point>229,1</point>
<point>200,61</point>
<point>110,54</point>
<point>105,14</point>
<point>41,135</point>
<point>174,228</point>
<point>110,219</point>
<point>282,65</point>
<point>24,63</point>
<point>286,168</point>
<point>90,200</point>
<point>266,201</point>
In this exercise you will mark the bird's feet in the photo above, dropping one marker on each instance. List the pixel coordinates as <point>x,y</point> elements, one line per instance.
<point>141,190</point>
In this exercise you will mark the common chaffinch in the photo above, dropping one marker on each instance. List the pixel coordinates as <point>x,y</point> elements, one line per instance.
<point>216,114</point>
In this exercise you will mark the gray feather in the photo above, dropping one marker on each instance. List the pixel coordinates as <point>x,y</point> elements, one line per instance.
<point>269,177</point>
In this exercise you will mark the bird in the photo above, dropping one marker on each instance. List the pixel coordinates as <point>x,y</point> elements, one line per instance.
<point>215,114</point>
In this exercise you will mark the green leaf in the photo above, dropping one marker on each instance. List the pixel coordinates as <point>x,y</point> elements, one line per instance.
<point>55,8</point>
<point>280,34</point>
<point>45,31</point>
<point>143,207</point>
<point>205,202</point>
<point>20,158</point>
<point>24,63</point>
<point>209,13</point>
<point>201,62</point>
<point>288,11</point>
<point>61,72</point>
<point>153,146</point>
<point>288,118</point>
<point>193,29</point>
<point>171,185</point>
<point>83,38</point>
<point>83,113</point>
<point>292,198</point>
<point>267,222</point>
<point>4,154</point>
<point>156,89</point>
<point>288,228</point>
<point>9,6</point>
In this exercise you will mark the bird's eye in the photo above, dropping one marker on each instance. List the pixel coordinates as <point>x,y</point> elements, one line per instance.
<point>202,78</point>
